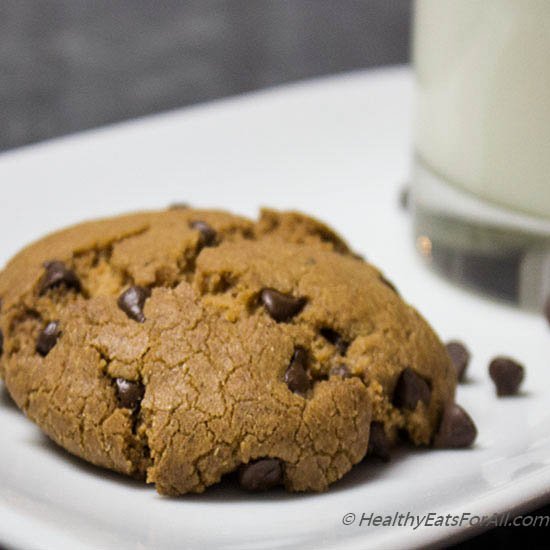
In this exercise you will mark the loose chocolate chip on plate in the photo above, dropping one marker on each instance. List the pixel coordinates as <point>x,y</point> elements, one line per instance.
<point>208,234</point>
<point>296,376</point>
<point>131,301</point>
<point>261,475</point>
<point>456,430</point>
<point>460,357</point>
<point>410,389</point>
<point>340,370</point>
<point>379,445</point>
<point>58,274</point>
<point>281,307</point>
<point>48,338</point>
<point>335,339</point>
<point>507,375</point>
<point>129,393</point>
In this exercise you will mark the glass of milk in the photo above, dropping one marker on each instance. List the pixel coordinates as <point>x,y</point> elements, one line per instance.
<point>481,180</point>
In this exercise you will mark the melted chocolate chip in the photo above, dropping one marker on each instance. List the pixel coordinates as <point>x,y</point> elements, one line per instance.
<point>296,376</point>
<point>129,393</point>
<point>456,430</point>
<point>281,307</point>
<point>58,274</point>
<point>460,357</point>
<point>507,375</point>
<point>48,338</point>
<point>410,389</point>
<point>208,235</point>
<point>261,475</point>
<point>131,301</point>
<point>335,339</point>
<point>340,370</point>
<point>379,445</point>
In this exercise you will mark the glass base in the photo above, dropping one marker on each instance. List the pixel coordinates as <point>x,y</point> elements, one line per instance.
<point>494,250</point>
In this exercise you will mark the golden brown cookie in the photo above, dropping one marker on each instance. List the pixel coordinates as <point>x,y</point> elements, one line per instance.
<point>182,345</point>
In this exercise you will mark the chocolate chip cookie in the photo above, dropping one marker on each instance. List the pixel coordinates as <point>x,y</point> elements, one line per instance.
<point>183,345</point>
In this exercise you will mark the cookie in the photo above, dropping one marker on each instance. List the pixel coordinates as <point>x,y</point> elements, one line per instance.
<point>183,345</point>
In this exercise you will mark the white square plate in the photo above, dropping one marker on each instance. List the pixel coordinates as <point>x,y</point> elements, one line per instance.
<point>339,149</point>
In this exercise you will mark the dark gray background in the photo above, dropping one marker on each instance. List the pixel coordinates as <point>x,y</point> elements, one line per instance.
<point>67,65</point>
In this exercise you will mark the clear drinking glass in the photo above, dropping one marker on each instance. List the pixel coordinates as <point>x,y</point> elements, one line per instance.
<point>481,179</point>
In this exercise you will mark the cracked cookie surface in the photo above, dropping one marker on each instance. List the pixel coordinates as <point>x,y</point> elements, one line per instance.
<point>182,345</point>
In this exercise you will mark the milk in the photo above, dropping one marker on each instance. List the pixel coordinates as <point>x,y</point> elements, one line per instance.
<point>483,99</point>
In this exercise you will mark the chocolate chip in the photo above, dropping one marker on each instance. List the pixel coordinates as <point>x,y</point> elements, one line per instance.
<point>296,376</point>
<point>129,393</point>
<point>410,389</point>
<point>340,370</point>
<point>456,430</point>
<point>131,301</point>
<point>507,375</point>
<point>547,309</point>
<point>178,206</point>
<point>335,339</point>
<point>281,307</point>
<point>405,197</point>
<point>379,445</point>
<point>460,357</point>
<point>208,235</point>
<point>48,338</point>
<point>389,284</point>
<point>261,475</point>
<point>58,274</point>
